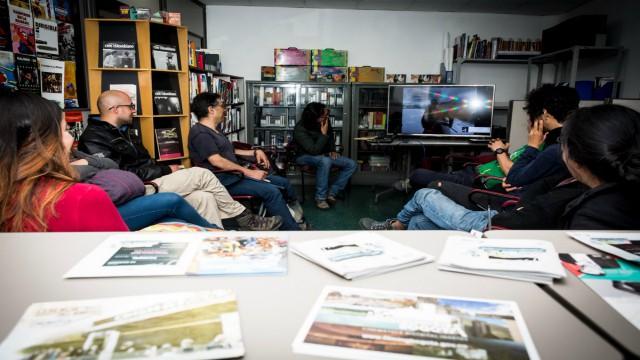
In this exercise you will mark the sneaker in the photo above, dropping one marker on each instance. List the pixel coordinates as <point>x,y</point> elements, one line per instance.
<point>251,222</point>
<point>370,224</point>
<point>296,211</point>
<point>402,185</point>
<point>322,204</point>
<point>332,200</point>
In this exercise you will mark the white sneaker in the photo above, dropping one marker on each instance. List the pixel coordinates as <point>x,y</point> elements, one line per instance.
<point>296,211</point>
<point>402,185</point>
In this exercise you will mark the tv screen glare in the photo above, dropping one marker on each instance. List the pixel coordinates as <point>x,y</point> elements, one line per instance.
<point>440,110</point>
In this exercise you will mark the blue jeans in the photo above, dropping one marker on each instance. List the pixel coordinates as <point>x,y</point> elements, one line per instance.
<point>271,195</point>
<point>429,209</point>
<point>323,164</point>
<point>143,211</point>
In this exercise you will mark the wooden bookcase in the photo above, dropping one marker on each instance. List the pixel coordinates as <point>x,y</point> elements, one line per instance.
<point>143,75</point>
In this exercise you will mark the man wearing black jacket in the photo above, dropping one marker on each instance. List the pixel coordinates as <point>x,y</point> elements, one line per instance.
<point>107,137</point>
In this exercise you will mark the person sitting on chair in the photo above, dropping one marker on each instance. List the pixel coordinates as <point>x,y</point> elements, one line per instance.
<point>316,147</point>
<point>601,147</point>
<point>210,149</point>
<point>547,108</point>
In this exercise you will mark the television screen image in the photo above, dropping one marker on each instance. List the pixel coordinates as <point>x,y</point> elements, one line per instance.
<point>440,110</point>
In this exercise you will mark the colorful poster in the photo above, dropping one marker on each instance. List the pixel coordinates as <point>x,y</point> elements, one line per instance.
<point>46,35</point>
<point>51,80</point>
<point>27,73</point>
<point>42,9</point>
<point>7,70</point>
<point>22,35</point>
<point>70,87</point>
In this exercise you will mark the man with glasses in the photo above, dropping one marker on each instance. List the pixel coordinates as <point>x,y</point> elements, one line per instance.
<point>109,137</point>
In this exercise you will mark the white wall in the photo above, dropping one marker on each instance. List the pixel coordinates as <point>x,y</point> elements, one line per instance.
<point>402,42</point>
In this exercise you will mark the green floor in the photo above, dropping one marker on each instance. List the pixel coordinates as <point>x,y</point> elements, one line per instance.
<point>358,202</point>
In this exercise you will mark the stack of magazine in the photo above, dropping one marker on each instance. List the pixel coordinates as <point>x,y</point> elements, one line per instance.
<point>157,254</point>
<point>366,324</point>
<point>189,325</point>
<point>360,254</point>
<point>518,259</point>
<point>624,245</point>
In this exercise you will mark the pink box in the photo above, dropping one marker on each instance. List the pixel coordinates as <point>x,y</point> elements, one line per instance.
<point>291,56</point>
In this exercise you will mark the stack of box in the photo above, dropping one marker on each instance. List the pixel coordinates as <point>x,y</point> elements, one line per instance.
<point>292,64</point>
<point>366,74</point>
<point>329,65</point>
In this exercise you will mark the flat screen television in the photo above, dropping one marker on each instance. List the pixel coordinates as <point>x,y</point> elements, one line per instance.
<point>440,110</point>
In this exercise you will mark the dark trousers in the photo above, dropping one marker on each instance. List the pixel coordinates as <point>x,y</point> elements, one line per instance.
<point>421,178</point>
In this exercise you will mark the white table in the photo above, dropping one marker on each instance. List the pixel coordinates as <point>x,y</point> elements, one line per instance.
<point>579,296</point>
<point>272,308</point>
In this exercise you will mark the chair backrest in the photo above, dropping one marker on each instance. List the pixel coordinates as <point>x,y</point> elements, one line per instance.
<point>517,124</point>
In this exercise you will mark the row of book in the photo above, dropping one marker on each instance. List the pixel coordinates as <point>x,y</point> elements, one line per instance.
<point>40,28</point>
<point>228,88</point>
<point>274,95</point>
<point>376,120</point>
<point>54,80</point>
<point>204,59</point>
<point>232,121</point>
<point>472,47</point>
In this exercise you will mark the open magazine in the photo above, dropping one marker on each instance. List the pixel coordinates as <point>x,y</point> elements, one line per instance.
<point>359,254</point>
<point>166,254</point>
<point>624,245</point>
<point>517,259</point>
<point>189,325</point>
<point>367,324</point>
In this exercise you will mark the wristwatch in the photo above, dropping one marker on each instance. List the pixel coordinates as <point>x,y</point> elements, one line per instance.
<point>499,151</point>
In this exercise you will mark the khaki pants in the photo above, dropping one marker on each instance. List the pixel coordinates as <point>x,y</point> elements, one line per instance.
<point>200,188</point>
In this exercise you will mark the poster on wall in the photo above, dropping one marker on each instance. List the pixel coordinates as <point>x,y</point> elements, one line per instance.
<point>5,34</point>
<point>22,35</point>
<point>27,73</point>
<point>7,70</point>
<point>42,9</point>
<point>66,42</point>
<point>46,35</point>
<point>51,79</point>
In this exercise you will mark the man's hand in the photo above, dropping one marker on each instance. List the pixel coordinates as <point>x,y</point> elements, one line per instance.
<point>333,155</point>
<point>495,144</point>
<point>509,187</point>
<point>262,159</point>
<point>80,162</point>
<point>324,126</point>
<point>174,167</point>
<point>255,174</point>
<point>536,134</point>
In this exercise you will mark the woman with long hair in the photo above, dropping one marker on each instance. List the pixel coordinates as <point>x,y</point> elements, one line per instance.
<point>38,187</point>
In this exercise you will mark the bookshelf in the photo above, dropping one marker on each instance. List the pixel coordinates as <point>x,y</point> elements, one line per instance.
<point>232,89</point>
<point>160,86</point>
<point>274,108</point>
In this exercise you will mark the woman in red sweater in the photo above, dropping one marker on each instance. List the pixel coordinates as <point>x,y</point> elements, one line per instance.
<point>38,190</point>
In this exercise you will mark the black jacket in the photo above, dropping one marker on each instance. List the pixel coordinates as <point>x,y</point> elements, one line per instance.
<point>105,140</point>
<point>606,207</point>
<point>310,142</point>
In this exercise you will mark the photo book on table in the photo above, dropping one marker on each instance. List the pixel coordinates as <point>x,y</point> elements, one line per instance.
<point>166,102</point>
<point>154,254</point>
<point>624,245</point>
<point>187,325</point>
<point>360,254</point>
<point>165,57</point>
<point>118,54</point>
<point>518,259</point>
<point>367,324</point>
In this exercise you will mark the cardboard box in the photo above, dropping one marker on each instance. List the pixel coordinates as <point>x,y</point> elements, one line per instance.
<point>366,74</point>
<point>268,73</point>
<point>329,74</point>
<point>293,73</point>
<point>292,56</point>
<point>329,57</point>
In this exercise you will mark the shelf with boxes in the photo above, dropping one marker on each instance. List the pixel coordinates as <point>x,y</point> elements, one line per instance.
<point>274,108</point>
<point>148,61</point>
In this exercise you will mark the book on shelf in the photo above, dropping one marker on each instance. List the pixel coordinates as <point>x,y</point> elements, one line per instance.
<point>166,102</point>
<point>615,280</point>
<point>165,57</point>
<point>516,259</point>
<point>363,324</point>
<point>52,80</point>
<point>171,325</point>
<point>472,47</point>
<point>70,87</point>
<point>624,245</point>
<point>66,41</point>
<point>211,60</point>
<point>28,74</point>
<point>164,254</point>
<point>21,23</point>
<point>7,71</point>
<point>360,254</point>
<point>129,89</point>
<point>168,143</point>
<point>395,78</point>
<point>118,54</point>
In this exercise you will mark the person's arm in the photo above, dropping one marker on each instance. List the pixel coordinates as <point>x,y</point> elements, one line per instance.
<point>504,161</point>
<point>533,165</point>
<point>88,208</point>
<point>314,147</point>
<point>220,162</point>
<point>259,154</point>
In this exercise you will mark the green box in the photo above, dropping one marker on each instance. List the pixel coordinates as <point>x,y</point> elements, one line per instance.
<point>329,57</point>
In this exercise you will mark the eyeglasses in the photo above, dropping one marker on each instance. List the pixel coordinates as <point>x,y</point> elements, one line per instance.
<point>130,106</point>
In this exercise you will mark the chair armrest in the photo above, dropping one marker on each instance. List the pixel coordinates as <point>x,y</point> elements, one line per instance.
<point>481,198</point>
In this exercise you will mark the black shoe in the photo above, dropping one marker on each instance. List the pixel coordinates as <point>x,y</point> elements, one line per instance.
<point>251,222</point>
<point>370,224</point>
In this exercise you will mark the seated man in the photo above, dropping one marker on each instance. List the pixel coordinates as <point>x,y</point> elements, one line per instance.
<point>210,149</point>
<point>540,207</point>
<point>547,108</point>
<point>108,137</point>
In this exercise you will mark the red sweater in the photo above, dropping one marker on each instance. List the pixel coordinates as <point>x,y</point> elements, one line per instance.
<point>85,207</point>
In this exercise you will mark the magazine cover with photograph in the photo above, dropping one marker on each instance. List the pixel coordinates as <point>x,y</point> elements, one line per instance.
<point>367,324</point>
<point>27,73</point>
<point>165,57</point>
<point>186,325</point>
<point>22,35</point>
<point>168,143</point>
<point>66,41</point>
<point>166,102</point>
<point>396,78</point>
<point>129,89</point>
<point>118,54</point>
<point>7,71</point>
<point>51,80</point>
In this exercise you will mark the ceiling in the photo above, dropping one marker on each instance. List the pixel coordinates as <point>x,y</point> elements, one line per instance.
<point>521,7</point>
